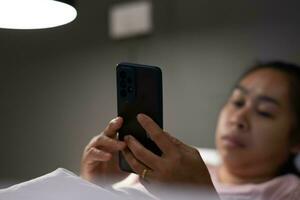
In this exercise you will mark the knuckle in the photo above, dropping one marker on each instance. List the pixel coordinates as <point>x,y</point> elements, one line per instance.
<point>177,157</point>
<point>94,139</point>
<point>89,152</point>
<point>96,151</point>
<point>172,138</point>
<point>139,151</point>
<point>156,137</point>
<point>100,139</point>
<point>195,151</point>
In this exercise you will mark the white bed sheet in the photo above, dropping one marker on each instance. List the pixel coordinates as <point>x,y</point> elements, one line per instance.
<point>59,184</point>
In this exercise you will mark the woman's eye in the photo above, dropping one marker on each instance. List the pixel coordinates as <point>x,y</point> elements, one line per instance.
<point>238,103</point>
<point>265,114</point>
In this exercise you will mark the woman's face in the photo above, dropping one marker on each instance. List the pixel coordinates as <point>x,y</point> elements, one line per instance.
<point>254,127</point>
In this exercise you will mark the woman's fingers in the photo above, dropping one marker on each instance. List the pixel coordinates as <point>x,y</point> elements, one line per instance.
<point>156,133</point>
<point>137,166</point>
<point>99,159</point>
<point>102,147</point>
<point>106,138</point>
<point>108,144</point>
<point>142,154</point>
<point>94,154</point>
<point>173,139</point>
<point>113,126</point>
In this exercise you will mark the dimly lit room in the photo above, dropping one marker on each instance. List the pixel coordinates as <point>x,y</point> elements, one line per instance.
<point>59,92</point>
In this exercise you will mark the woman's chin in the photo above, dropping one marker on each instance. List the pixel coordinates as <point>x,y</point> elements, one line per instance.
<point>232,153</point>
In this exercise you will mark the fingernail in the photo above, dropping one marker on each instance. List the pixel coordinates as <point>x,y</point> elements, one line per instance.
<point>126,138</point>
<point>130,137</point>
<point>141,117</point>
<point>114,120</point>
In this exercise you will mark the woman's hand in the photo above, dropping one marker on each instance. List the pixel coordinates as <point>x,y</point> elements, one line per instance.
<point>179,163</point>
<point>99,161</point>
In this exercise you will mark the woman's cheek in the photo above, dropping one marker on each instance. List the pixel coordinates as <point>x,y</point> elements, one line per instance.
<point>269,138</point>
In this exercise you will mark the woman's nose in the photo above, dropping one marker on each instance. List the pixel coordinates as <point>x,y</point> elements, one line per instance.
<point>240,119</point>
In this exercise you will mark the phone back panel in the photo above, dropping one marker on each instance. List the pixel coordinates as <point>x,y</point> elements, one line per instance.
<point>139,90</point>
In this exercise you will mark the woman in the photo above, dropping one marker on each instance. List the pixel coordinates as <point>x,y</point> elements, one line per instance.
<point>257,135</point>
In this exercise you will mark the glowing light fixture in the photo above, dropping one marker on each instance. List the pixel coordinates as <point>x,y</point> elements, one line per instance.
<point>36,14</point>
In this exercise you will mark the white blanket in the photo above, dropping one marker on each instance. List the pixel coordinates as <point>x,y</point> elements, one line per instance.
<point>57,185</point>
<point>62,184</point>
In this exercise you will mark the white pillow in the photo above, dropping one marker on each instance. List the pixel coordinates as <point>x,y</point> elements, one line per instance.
<point>210,156</point>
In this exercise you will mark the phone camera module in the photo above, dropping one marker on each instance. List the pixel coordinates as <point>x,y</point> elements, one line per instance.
<point>130,89</point>
<point>123,84</point>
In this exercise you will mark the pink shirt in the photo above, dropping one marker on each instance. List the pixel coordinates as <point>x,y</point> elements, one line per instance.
<point>286,187</point>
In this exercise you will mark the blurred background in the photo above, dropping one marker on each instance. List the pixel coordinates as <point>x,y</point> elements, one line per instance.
<point>58,85</point>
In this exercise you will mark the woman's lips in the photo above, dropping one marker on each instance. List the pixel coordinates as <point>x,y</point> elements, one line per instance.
<point>233,141</point>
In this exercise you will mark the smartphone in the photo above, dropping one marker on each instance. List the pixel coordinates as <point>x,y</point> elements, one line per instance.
<point>139,90</point>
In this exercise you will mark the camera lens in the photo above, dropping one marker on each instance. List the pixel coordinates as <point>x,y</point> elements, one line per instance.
<point>123,74</point>
<point>123,84</point>
<point>130,89</point>
<point>123,93</point>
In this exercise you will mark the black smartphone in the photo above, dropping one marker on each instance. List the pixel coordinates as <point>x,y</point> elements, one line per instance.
<point>139,90</point>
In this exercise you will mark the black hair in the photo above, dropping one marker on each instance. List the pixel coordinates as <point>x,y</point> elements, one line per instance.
<point>292,72</point>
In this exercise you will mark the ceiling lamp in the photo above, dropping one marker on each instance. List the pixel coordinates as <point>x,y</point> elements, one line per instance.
<point>36,14</point>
